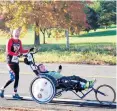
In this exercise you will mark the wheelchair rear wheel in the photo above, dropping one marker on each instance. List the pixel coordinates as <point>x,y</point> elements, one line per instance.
<point>43,89</point>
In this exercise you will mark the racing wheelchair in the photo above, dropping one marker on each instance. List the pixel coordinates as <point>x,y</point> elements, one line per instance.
<point>45,87</point>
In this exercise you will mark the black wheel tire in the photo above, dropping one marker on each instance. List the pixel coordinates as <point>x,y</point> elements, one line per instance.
<point>51,80</point>
<point>113,91</point>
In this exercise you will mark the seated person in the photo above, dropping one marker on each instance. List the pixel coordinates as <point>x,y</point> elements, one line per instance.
<point>75,81</point>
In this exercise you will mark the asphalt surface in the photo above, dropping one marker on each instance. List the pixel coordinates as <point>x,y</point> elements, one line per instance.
<point>103,75</point>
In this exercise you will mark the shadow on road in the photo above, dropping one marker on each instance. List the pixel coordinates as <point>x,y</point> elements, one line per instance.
<point>19,99</point>
<point>86,103</point>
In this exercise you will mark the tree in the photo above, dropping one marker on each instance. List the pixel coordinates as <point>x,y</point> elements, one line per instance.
<point>106,11</point>
<point>72,15</point>
<point>43,32</point>
<point>48,31</point>
<point>92,19</point>
<point>14,14</point>
<point>45,14</point>
<point>2,24</point>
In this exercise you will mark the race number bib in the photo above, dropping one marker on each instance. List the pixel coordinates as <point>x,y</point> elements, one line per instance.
<point>15,59</point>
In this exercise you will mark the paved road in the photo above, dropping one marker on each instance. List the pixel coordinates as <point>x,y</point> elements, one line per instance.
<point>103,74</point>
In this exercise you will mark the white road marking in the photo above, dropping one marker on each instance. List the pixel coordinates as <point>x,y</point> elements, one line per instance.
<point>110,77</point>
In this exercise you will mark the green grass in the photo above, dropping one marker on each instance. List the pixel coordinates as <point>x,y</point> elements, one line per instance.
<point>100,34</point>
<point>93,48</point>
<point>82,53</point>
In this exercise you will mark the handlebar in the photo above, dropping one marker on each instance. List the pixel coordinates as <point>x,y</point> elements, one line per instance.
<point>34,52</point>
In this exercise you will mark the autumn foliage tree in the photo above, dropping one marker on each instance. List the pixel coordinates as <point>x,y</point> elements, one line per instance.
<point>45,14</point>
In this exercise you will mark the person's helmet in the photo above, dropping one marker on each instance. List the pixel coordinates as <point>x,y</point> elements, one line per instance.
<point>26,61</point>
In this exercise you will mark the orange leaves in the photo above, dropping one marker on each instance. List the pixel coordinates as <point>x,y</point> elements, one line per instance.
<point>65,10</point>
<point>64,14</point>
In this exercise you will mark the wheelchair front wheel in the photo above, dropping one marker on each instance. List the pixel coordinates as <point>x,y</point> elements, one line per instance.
<point>105,94</point>
<point>42,89</point>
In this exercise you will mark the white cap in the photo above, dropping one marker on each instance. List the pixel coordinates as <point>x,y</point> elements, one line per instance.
<point>14,32</point>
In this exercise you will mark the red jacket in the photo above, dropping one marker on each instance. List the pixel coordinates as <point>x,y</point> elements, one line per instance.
<point>13,48</point>
<point>11,45</point>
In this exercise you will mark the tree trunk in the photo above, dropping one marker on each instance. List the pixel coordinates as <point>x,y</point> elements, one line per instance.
<point>67,39</point>
<point>43,32</point>
<point>44,39</point>
<point>37,39</point>
<point>95,30</point>
<point>48,33</point>
<point>106,27</point>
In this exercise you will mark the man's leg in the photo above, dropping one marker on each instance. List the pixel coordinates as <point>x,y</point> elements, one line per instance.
<point>78,78</point>
<point>12,77</point>
<point>16,78</point>
<point>16,95</point>
<point>8,82</point>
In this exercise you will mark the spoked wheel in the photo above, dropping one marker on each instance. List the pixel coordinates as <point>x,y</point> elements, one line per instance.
<point>105,94</point>
<point>42,89</point>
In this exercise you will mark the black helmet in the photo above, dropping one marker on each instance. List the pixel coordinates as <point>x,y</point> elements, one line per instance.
<point>26,61</point>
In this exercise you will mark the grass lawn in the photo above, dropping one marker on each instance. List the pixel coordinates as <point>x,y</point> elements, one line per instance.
<point>87,48</point>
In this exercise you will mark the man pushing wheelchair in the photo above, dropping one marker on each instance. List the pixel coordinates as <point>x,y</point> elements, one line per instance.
<point>49,84</point>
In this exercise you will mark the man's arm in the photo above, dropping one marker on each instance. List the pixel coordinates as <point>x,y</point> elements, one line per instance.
<point>22,50</point>
<point>8,48</point>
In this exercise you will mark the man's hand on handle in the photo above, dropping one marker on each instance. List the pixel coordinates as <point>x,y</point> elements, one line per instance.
<point>31,49</point>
